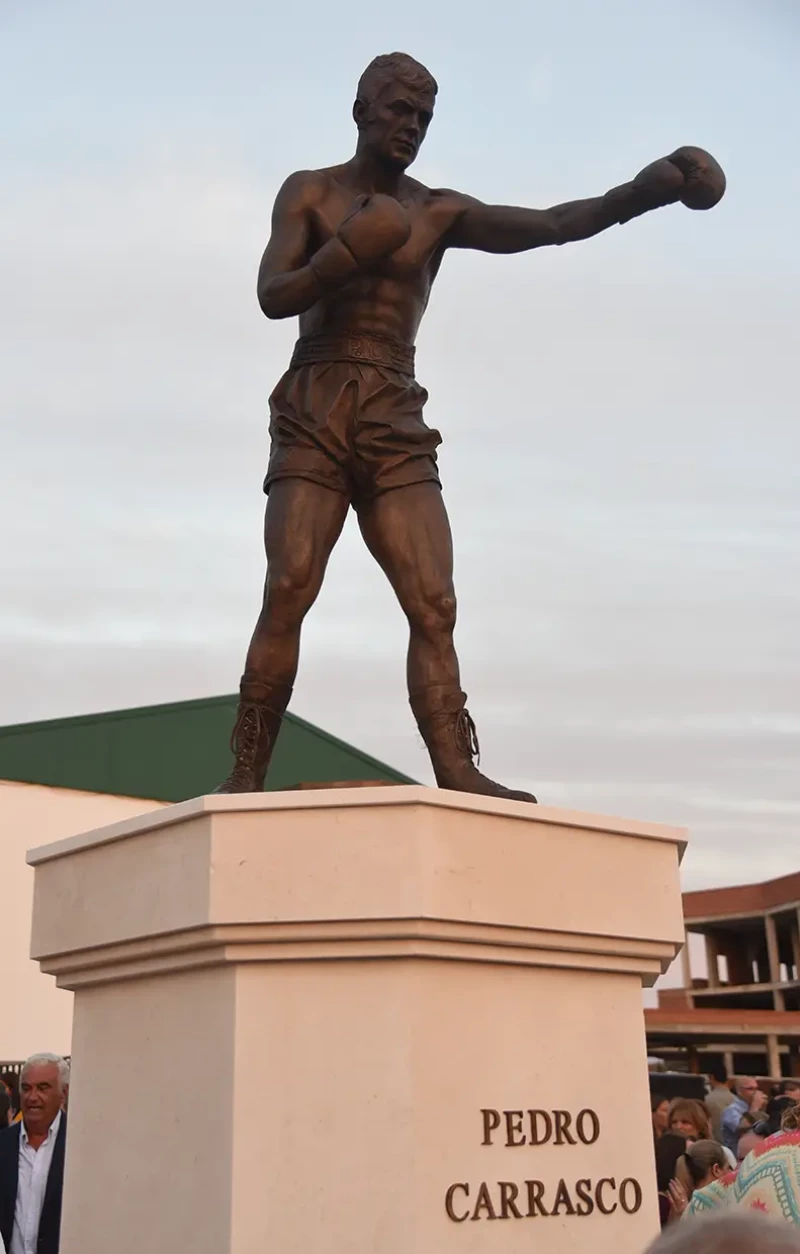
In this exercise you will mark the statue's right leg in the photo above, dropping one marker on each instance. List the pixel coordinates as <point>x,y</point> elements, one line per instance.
<point>302,524</point>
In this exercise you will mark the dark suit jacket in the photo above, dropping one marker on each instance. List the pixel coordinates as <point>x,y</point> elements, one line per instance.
<point>50,1223</point>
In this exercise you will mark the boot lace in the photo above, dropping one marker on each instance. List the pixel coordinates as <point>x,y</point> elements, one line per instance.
<point>250,731</point>
<point>467,735</point>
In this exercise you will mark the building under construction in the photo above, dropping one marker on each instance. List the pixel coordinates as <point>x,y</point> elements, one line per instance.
<point>745,1011</point>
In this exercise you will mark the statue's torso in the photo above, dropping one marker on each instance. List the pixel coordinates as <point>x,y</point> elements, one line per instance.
<point>392,298</point>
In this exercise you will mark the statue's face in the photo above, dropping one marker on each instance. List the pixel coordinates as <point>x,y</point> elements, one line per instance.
<point>394,125</point>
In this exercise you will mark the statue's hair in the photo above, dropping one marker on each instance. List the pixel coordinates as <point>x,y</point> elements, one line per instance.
<point>394,67</point>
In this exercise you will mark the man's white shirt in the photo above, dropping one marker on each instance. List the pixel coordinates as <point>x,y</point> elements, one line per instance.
<point>34,1168</point>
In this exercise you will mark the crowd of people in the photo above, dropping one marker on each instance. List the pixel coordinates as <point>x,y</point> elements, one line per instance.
<point>33,1134</point>
<point>723,1165</point>
<point>738,1148</point>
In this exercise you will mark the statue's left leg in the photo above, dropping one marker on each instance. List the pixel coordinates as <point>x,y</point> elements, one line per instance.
<point>408,533</point>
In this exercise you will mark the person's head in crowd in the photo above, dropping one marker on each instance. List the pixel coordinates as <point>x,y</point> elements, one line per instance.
<point>718,1076</point>
<point>669,1149</point>
<point>727,1234</point>
<point>659,1106</point>
<point>775,1109</point>
<point>5,1109</point>
<point>43,1086</point>
<point>701,1164</point>
<point>747,1088</point>
<point>789,1088</point>
<point>690,1118</point>
<point>752,1131</point>
<point>10,1082</point>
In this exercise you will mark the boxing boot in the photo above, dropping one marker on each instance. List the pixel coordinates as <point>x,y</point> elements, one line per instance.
<point>452,742</point>
<point>258,721</point>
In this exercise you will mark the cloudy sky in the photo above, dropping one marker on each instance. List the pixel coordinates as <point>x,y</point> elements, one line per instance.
<point>622,451</point>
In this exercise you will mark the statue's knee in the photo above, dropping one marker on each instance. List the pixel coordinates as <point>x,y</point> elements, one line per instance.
<point>289,595</point>
<point>435,616</point>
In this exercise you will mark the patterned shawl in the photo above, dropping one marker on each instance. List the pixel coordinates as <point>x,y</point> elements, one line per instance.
<point>768,1182</point>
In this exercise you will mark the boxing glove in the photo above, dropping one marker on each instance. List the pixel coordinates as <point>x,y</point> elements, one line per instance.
<point>704,178</point>
<point>376,227</point>
<point>660,183</point>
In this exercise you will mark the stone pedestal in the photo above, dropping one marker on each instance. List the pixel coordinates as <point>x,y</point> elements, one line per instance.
<point>378,1021</point>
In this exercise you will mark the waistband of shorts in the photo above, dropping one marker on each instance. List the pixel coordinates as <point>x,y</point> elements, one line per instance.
<point>367,350</point>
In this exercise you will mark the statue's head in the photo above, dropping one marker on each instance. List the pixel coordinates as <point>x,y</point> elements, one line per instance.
<point>393,108</point>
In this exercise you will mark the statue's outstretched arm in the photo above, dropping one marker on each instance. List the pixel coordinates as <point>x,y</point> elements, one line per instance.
<point>689,175</point>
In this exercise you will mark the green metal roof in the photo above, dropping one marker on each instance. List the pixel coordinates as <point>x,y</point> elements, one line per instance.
<point>172,752</point>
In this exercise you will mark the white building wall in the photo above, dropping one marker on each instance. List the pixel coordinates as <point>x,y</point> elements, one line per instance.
<point>34,1014</point>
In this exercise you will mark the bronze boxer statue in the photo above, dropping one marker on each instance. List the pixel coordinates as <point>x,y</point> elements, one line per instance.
<point>354,251</point>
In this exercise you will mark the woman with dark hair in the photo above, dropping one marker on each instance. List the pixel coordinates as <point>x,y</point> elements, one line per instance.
<point>659,1109</point>
<point>775,1109</point>
<point>669,1149</point>
<point>10,1084</point>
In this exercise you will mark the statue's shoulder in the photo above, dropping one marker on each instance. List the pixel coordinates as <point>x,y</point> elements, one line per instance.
<point>445,205</point>
<point>437,198</point>
<point>440,202</point>
<point>306,187</point>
